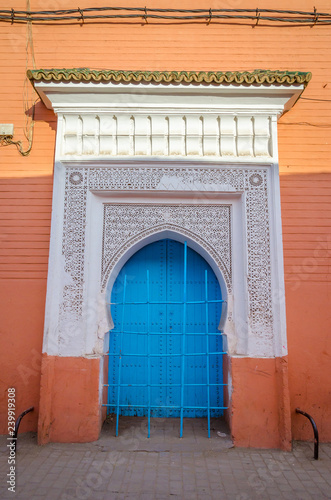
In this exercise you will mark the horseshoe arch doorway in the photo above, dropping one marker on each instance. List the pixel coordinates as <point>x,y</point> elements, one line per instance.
<point>165,354</point>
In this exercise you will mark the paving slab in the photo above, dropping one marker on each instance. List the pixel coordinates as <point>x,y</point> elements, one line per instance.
<point>133,467</point>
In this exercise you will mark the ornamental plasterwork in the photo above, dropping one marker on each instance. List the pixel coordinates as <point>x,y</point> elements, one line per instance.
<point>217,219</point>
<point>175,133</point>
<point>167,178</point>
<point>209,225</point>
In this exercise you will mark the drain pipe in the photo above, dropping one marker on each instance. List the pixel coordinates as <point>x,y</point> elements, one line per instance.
<point>17,424</point>
<point>312,421</point>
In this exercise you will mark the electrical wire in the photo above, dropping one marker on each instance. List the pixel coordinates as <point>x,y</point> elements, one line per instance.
<point>91,14</point>
<point>8,141</point>
<point>312,99</point>
<point>307,124</point>
<point>28,103</point>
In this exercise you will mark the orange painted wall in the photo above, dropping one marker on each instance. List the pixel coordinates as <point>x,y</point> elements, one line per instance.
<point>69,400</point>
<point>304,150</point>
<point>260,405</point>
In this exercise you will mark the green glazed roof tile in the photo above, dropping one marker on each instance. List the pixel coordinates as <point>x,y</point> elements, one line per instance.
<point>256,77</point>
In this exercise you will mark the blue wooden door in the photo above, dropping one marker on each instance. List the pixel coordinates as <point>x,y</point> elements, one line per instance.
<point>165,356</point>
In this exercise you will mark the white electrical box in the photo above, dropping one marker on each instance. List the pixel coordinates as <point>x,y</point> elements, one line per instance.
<point>6,129</point>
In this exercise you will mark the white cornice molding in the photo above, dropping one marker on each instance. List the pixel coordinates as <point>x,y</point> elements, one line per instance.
<point>62,96</point>
<point>107,119</point>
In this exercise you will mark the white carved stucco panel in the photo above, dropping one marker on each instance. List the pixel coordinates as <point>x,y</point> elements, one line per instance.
<point>208,225</point>
<point>209,222</point>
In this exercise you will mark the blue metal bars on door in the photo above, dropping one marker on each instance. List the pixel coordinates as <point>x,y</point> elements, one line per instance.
<point>166,358</point>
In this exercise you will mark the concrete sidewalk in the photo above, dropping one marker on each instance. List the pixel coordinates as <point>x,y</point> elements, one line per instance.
<point>164,466</point>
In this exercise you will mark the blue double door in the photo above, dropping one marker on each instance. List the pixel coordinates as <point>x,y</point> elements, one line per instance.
<point>165,351</point>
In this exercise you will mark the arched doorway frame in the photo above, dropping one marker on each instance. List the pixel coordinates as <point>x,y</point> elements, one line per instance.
<point>84,204</point>
<point>97,292</point>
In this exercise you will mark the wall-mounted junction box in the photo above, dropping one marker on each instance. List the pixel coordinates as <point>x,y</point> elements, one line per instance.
<point>6,129</point>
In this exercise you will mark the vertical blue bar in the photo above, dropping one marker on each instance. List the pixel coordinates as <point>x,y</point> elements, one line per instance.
<point>148,360</point>
<point>207,350</point>
<point>183,341</point>
<point>113,356</point>
<point>120,359</point>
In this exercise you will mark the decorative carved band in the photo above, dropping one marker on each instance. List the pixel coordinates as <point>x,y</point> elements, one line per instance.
<point>126,224</point>
<point>176,134</point>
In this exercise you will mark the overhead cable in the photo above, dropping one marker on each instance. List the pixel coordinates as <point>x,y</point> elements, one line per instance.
<point>292,17</point>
